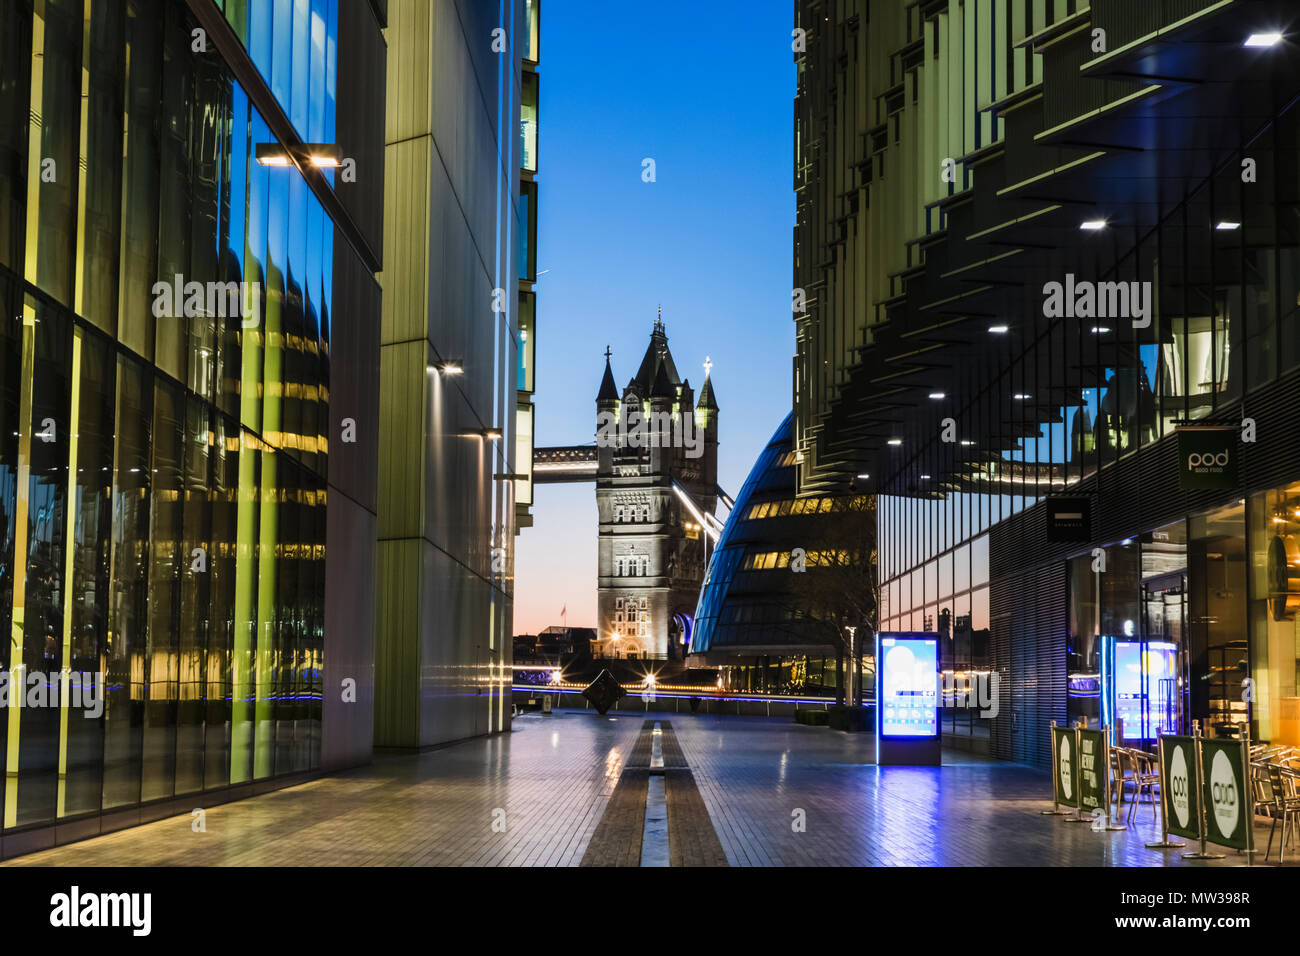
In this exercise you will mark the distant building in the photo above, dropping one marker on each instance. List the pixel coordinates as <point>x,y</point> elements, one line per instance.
<point>652,552</point>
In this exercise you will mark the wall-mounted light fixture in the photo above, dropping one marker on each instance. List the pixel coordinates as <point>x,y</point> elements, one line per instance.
<point>320,155</point>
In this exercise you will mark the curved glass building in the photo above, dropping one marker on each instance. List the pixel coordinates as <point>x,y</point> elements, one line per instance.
<point>749,620</point>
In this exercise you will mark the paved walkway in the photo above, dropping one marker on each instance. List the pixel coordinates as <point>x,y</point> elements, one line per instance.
<point>777,793</point>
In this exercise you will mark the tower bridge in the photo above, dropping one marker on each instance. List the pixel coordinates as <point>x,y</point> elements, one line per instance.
<point>656,502</point>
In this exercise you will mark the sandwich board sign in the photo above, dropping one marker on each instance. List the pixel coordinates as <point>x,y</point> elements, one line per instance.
<point>1066,771</point>
<point>1179,792</point>
<point>1092,769</point>
<point>1227,807</point>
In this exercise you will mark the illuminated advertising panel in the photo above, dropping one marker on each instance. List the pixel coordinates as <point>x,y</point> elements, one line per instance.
<point>909,686</point>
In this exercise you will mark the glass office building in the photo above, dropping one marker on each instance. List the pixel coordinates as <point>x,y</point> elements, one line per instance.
<point>1099,276</point>
<point>752,620</point>
<point>182,350</point>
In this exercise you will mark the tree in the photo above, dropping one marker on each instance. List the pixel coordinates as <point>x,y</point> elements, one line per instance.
<point>838,590</point>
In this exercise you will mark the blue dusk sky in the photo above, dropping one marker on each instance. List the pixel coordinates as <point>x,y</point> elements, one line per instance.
<point>706,91</point>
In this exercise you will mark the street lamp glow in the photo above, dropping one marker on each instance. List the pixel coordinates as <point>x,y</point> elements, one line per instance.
<point>937,396</point>
<point>895,442</point>
<point>998,329</point>
<point>1227,226</point>
<point>1092,225</point>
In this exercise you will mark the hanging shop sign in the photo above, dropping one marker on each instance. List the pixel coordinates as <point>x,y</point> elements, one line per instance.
<point>1207,457</point>
<point>1069,519</point>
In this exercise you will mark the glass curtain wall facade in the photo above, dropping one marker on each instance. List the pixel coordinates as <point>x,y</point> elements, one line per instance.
<point>164,384</point>
<point>526,334</point>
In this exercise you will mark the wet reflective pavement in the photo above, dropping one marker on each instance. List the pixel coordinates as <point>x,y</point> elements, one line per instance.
<point>777,793</point>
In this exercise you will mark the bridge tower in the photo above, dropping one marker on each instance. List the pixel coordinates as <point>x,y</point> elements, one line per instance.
<point>651,550</point>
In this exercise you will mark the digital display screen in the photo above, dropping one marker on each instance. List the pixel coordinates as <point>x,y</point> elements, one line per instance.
<point>1146,711</point>
<point>909,686</point>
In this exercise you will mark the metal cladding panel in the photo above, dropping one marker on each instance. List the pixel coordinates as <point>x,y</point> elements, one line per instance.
<point>1028,618</point>
<point>1127,21</point>
<point>359,129</point>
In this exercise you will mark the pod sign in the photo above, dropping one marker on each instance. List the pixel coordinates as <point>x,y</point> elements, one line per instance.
<point>1066,771</point>
<point>1179,790</point>
<point>1207,457</point>
<point>1225,798</point>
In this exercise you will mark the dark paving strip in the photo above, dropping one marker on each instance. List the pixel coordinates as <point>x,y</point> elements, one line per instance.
<point>674,759</point>
<point>692,841</point>
<point>639,757</point>
<point>618,836</point>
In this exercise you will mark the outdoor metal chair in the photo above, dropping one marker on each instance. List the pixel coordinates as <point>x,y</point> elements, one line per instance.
<point>1286,806</point>
<point>1145,776</point>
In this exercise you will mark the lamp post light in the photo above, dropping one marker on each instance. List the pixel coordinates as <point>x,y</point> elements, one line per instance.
<point>853,666</point>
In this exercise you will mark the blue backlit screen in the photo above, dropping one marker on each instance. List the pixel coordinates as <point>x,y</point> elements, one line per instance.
<point>909,698</point>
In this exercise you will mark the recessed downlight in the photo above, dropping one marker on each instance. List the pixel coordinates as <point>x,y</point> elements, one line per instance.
<point>1263,39</point>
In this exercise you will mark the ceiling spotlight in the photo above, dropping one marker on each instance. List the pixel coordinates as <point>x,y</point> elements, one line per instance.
<point>447,368</point>
<point>967,442</point>
<point>925,477</point>
<point>936,395</point>
<point>864,476</point>
<point>1020,397</point>
<point>1227,226</point>
<point>895,442</point>
<point>1263,39</point>
<point>1092,225</point>
<point>998,329</point>
<point>491,434</point>
<point>1100,329</point>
